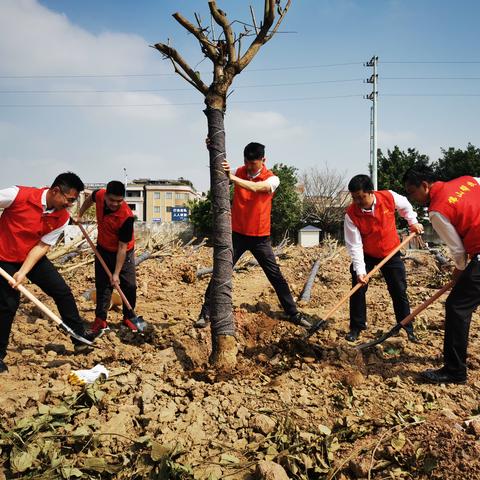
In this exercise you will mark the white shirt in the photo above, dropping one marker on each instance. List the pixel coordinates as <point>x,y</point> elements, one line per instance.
<point>8,195</point>
<point>273,181</point>
<point>353,237</point>
<point>447,232</point>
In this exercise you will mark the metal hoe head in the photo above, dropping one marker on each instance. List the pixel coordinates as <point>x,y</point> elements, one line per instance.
<point>319,325</point>
<point>380,339</point>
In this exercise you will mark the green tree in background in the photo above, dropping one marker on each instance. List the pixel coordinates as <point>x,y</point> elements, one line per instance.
<point>286,205</point>
<point>201,215</point>
<point>456,163</point>
<point>392,167</point>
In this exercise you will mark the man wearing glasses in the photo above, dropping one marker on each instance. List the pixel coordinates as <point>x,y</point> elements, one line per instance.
<point>32,221</point>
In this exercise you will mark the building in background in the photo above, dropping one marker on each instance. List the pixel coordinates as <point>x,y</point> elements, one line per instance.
<point>135,198</point>
<point>155,200</point>
<point>166,196</point>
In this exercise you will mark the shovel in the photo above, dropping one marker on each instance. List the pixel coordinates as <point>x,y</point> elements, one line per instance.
<point>407,319</point>
<point>359,285</point>
<point>137,320</point>
<point>62,325</point>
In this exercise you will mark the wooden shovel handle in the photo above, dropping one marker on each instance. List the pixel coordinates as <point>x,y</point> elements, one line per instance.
<point>104,265</point>
<point>368,276</point>
<point>32,298</point>
<point>427,302</point>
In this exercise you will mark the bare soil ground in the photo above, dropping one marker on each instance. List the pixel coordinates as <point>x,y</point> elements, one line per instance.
<point>319,408</point>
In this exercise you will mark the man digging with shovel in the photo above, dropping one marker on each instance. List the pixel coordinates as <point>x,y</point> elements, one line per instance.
<point>33,220</point>
<point>115,245</point>
<point>370,235</point>
<point>454,211</point>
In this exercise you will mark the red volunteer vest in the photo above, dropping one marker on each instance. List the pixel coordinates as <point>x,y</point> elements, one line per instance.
<point>378,230</point>
<point>251,210</point>
<point>109,225</point>
<point>24,223</point>
<point>459,201</point>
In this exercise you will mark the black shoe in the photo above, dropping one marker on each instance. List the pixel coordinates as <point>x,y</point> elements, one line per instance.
<point>442,376</point>
<point>352,335</point>
<point>301,320</point>
<point>3,367</point>
<point>412,337</point>
<point>203,319</point>
<point>91,335</point>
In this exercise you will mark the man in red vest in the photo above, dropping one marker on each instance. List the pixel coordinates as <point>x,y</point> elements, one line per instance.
<point>254,186</point>
<point>454,211</point>
<point>32,221</point>
<point>115,243</point>
<point>370,235</point>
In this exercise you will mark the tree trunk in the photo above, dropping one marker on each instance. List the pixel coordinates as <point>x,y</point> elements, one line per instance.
<point>221,314</point>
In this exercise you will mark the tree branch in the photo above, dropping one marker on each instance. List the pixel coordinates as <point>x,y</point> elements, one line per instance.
<point>190,75</point>
<point>263,36</point>
<point>222,20</point>
<point>208,48</point>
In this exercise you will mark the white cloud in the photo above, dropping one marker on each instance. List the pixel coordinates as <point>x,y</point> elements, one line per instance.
<point>34,39</point>
<point>267,125</point>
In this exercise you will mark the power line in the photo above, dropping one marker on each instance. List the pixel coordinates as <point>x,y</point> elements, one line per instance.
<point>127,75</point>
<point>265,85</point>
<point>430,78</point>
<point>270,100</point>
<point>430,94</point>
<point>266,69</point>
<point>112,105</point>
<point>434,62</point>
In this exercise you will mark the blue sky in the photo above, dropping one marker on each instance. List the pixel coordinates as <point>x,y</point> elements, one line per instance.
<point>298,126</point>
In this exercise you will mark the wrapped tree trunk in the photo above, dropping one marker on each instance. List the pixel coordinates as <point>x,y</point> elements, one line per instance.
<point>221,313</point>
<point>225,52</point>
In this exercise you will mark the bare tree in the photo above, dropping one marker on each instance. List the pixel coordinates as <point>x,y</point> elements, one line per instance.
<point>224,50</point>
<point>325,197</point>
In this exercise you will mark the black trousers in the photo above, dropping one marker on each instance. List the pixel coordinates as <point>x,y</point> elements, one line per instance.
<point>45,275</point>
<point>395,277</point>
<point>459,307</point>
<point>128,282</point>
<point>261,249</point>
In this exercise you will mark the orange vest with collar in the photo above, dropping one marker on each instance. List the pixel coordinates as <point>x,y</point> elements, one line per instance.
<point>378,230</point>
<point>459,201</point>
<point>24,223</point>
<point>251,210</point>
<point>109,225</point>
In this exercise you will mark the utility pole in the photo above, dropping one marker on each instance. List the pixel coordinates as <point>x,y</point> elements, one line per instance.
<point>373,118</point>
<point>125,181</point>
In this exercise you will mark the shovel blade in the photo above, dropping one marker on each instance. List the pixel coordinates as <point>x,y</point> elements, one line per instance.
<point>63,326</point>
<point>139,322</point>
<point>380,339</point>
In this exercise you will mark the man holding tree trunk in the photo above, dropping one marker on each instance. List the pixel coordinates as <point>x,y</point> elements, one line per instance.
<point>254,187</point>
